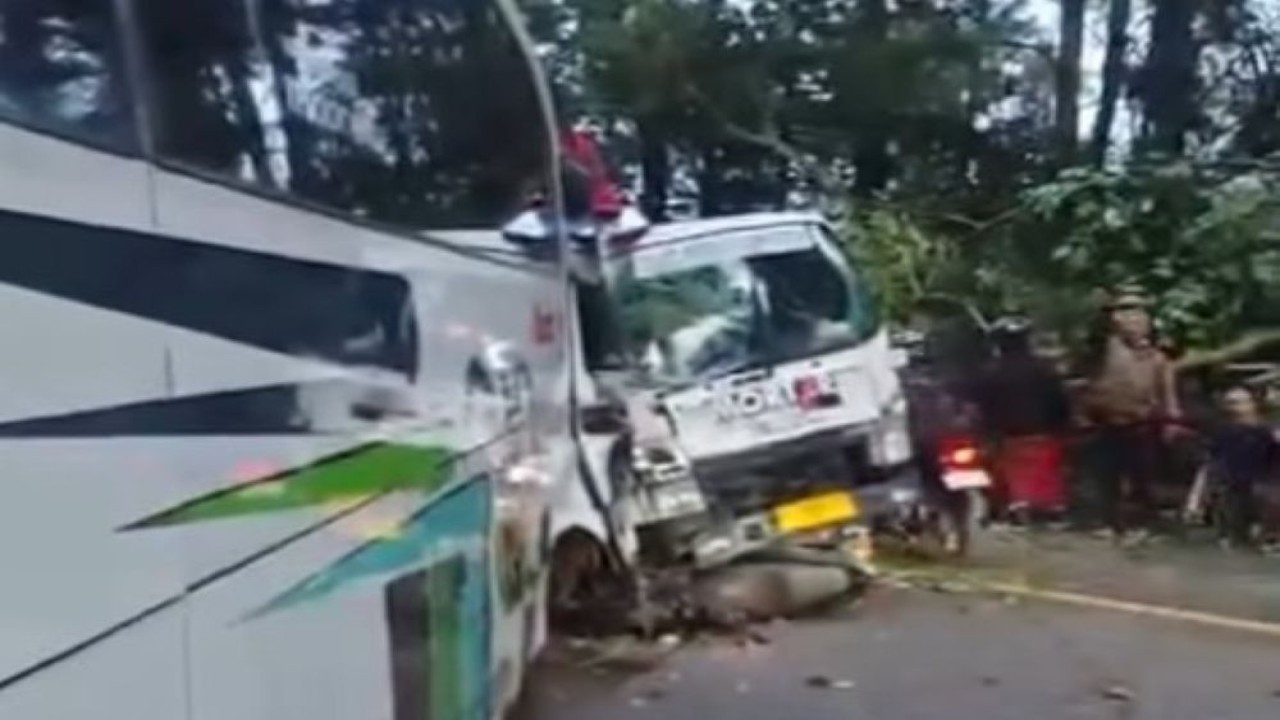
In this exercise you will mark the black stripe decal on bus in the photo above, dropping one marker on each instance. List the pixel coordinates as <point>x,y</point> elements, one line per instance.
<point>270,410</point>
<point>346,315</point>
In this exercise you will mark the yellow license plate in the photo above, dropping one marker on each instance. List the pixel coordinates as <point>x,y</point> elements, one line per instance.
<point>816,512</point>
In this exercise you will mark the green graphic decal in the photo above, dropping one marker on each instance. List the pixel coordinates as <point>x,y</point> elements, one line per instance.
<point>357,473</point>
<point>451,525</point>
<point>435,563</point>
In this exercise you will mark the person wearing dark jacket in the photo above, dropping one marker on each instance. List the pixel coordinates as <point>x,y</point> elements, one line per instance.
<point>1244,454</point>
<point>1026,410</point>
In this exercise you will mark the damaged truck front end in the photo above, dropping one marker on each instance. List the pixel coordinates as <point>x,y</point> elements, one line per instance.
<point>774,378</point>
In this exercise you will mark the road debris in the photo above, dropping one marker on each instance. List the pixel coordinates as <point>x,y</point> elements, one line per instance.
<point>670,641</point>
<point>755,592</point>
<point>623,655</point>
<point>647,697</point>
<point>827,683</point>
<point>740,603</point>
<point>948,587</point>
<point>1117,692</point>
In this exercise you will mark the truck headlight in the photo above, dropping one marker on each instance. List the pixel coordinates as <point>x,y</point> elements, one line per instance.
<point>897,445</point>
<point>658,463</point>
<point>904,496</point>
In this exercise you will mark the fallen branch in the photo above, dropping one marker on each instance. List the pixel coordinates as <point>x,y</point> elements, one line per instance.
<point>1248,344</point>
<point>768,139</point>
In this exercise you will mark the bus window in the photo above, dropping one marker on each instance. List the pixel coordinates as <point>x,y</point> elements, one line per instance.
<point>374,112</point>
<point>61,70</point>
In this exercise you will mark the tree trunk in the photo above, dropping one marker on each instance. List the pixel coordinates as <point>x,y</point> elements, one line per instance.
<point>711,182</point>
<point>655,171</point>
<point>872,164</point>
<point>270,29</point>
<point>250,134</point>
<point>1067,90</point>
<point>1169,78</point>
<point>1113,77</point>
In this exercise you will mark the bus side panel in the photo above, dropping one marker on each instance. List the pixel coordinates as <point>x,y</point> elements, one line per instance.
<point>46,176</point>
<point>495,371</point>
<point>503,325</point>
<point>90,618</point>
<point>397,595</point>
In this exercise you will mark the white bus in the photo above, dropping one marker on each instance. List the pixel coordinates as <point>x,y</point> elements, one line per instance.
<point>275,446</point>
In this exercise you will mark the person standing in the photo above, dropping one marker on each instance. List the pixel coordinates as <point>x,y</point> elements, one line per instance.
<point>1244,454</point>
<point>1132,401</point>
<point>1025,408</point>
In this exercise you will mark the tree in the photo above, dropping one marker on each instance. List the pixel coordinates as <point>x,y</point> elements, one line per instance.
<point>1248,79</point>
<point>1070,50</point>
<point>1197,237</point>
<point>947,131</point>
<point>208,113</point>
<point>1114,71</point>
<point>872,163</point>
<point>1170,82</point>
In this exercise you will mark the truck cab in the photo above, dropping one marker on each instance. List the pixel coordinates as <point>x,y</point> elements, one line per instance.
<point>763,350</point>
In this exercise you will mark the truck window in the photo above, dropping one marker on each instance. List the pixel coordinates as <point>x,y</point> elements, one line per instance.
<point>734,313</point>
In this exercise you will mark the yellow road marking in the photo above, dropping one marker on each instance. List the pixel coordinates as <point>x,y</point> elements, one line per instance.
<point>1099,602</point>
<point>1228,622</point>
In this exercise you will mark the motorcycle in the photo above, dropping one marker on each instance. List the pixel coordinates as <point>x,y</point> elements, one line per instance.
<point>964,483</point>
<point>946,432</point>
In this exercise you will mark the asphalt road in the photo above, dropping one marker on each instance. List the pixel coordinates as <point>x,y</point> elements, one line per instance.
<point>907,654</point>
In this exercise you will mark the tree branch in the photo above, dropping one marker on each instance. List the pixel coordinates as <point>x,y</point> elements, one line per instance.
<point>769,139</point>
<point>1250,343</point>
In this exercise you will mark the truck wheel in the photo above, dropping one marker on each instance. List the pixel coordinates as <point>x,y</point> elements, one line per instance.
<point>586,594</point>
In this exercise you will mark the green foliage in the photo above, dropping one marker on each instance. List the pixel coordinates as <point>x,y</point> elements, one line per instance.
<point>1198,238</point>
<point>904,261</point>
<point>1201,239</point>
<point>937,115</point>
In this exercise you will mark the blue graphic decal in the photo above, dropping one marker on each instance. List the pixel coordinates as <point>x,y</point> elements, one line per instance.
<point>454,524</point>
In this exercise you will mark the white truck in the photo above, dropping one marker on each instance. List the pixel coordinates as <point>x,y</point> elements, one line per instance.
<point>761,346</point>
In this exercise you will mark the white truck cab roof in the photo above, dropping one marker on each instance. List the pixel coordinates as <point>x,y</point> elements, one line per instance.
<point>691,229</point>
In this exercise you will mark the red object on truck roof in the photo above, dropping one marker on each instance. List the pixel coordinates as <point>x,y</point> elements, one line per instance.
<point>580,148</point>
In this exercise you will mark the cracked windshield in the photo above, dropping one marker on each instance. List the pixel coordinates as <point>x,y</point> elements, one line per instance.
<point>702,309</point>
<point>680,359</point>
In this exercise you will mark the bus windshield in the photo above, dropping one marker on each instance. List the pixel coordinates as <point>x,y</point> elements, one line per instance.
<point>689,323</point>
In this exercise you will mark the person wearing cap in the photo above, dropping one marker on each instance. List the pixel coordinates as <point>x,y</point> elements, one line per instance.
<point>1025,408</point>
<point>1132,400</point>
